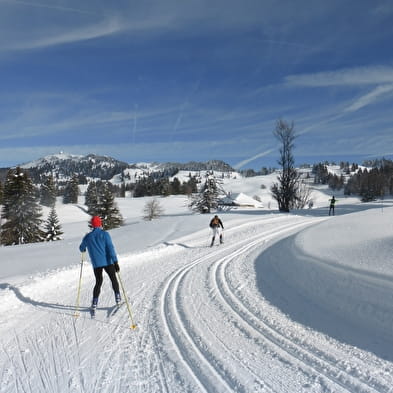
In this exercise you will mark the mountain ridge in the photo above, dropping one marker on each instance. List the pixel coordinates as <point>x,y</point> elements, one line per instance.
<point>64,165</point>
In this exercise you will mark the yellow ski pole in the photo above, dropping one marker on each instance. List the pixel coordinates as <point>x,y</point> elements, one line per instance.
<point>133,325</point>
<point>76,314</point>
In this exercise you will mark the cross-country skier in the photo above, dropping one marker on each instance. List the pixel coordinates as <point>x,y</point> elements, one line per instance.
<point>217,227</point>
<point>333,201</point>
<point>103,257</point>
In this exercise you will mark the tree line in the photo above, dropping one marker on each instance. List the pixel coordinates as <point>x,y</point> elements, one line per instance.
<point>21,214</point>
<point>21,218</point>
<point>373,183</point>
<point>374,180</point>
<point>290,192</point>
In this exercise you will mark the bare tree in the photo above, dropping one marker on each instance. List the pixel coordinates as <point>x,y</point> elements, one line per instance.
<point>303,196</point>
<point>284,192</point>
<point>152,210</point>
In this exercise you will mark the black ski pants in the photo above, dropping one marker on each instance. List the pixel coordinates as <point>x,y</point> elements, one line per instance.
<point>111,272</point>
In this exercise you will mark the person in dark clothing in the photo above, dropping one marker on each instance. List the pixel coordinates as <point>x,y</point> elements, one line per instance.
<point>217,227</point>
<point>103,257</point>
<point>333,201</point>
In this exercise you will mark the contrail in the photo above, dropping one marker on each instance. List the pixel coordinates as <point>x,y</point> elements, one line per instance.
<point>135,121</point>
<point>183,106</point>
<point>244,162</point>
<point>49,6</point>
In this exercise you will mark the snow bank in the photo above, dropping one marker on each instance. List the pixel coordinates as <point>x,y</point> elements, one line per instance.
<point>337,277</point>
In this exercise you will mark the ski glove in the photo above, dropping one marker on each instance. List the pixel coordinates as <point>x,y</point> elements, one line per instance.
<point>117,267</point>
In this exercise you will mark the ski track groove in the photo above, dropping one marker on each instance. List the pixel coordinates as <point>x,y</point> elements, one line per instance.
<point>233,356</point>
<point>169,308</point>
<point>156,315</point>
<point>260,240</point>
<point>306,356</point>
<point>158,356</point>
<point>257,378</point>
<point>168,297</point>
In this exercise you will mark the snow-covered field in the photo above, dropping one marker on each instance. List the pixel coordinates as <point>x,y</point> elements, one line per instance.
<point>297,302</point>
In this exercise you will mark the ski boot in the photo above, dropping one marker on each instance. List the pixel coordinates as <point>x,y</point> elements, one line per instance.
<point>93,307</point>
<point>117,299</point>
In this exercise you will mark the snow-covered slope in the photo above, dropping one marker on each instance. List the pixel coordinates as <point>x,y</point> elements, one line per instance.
<point>298,302</point>
<point>52,159</point>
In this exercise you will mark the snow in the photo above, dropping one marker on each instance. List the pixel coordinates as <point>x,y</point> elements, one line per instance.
<point>298,302</point>
<point>50,159</point>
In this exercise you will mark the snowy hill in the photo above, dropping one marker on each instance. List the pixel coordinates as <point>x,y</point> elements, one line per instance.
<point>52,159</point>
<point>297,302</point>
<point>63,166</point>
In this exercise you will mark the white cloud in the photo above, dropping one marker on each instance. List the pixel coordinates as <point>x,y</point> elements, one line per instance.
<point>363,77</point>
<point>57,7</point>
<point>65,36</point>
<point>345,77</point>
<point>46,24</point>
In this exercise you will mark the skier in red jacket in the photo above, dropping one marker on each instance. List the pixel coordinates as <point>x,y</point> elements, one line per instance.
<point>103,257</point>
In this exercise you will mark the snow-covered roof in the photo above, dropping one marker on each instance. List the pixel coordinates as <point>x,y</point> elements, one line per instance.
<point>241,199</point>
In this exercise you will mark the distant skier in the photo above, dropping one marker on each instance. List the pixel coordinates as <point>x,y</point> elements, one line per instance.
<point>103,257</point>
<point>217,227</point>
<point>333,201</point>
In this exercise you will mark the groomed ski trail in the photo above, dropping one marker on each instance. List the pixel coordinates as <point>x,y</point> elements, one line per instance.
<point>203,326</point>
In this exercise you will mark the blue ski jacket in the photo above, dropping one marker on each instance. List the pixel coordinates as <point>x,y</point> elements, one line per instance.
<point>101,250</point>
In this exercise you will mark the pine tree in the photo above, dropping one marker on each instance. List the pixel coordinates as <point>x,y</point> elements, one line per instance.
<point>71,191</point>
<point>92,197</point>
<point>21,210</point>
<point>208,197</point>
<point>175,186</point>
<point>48,192</point>
<point>108,210</point>
<point>52,227</point>
<point>1,193</point>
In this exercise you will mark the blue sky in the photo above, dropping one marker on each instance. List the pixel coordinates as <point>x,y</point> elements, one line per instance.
<point>196,80</point>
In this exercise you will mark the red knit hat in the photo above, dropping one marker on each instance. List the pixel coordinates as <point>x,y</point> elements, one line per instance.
<point>96,222</point>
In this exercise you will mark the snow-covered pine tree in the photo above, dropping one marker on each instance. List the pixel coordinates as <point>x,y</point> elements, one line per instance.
<point>71,191</point>
<point>208,196</point>
<point>48,192</point>
<point>108,210</point>
<point>21,210</point>
<point>92,197</point>
<point>52,227</point>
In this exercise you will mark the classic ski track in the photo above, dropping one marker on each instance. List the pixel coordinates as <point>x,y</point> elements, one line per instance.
<point>315,352</point>
<point>271,235</point>
<point>315,361</point>
<point>179,332</point>
<point>168,297</point>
